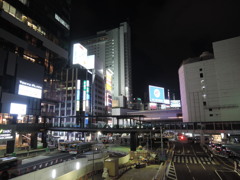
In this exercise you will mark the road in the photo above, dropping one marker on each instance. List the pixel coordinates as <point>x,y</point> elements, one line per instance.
<point>140,174</point>
<point>191,162</point>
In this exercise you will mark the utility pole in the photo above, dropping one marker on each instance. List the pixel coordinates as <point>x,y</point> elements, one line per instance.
<point>161,141</point>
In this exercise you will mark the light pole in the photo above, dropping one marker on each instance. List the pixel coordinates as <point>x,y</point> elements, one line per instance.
<point>161,134</point>
<point>93,164</point>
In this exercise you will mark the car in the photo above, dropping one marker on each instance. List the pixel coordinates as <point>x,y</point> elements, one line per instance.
<point>140,165</point>
<point>219,145</point>
<point>218,149</point>
<point>224,148</point>
<point>190,139</point>
<point>229,152</point>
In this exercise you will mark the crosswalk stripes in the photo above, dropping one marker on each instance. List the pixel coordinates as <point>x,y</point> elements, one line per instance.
<point>171,173</point>
<point>192,160</point>
<point>202,160</point>
<point>195,161</point>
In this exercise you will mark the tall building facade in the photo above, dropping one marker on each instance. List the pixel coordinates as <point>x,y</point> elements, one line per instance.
<point>209,86</point>
<point>33,47</point>
<point>113,47</point>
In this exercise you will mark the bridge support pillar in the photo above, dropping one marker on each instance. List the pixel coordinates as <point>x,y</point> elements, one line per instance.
<point>133,141</point>
<point>34,140</point>
<point>44,139</point>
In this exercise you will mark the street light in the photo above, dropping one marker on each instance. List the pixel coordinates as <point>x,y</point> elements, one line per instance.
<point>161,134</point>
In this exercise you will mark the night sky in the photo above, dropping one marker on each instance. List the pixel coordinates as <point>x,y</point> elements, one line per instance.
<point>163,35</point>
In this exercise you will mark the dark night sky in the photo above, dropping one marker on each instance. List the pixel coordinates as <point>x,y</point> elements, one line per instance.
<point>163,34</point>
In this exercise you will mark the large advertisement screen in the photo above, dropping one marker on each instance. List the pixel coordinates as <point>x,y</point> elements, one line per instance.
<point>79,54</point>
<point>156,94</point>
<point>16,108</point>
<point>29,89</point>
<point>90,62</point>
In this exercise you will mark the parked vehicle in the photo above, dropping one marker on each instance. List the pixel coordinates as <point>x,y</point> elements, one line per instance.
<point>80,147</point>
<point>8,167</point>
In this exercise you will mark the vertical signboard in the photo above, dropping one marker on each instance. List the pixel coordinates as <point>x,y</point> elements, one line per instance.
<point>108,91</point>
<point>86,95</point>
<point>78,95</point>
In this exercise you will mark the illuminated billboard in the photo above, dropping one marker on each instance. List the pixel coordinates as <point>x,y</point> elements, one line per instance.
<point>20,109</point>
<point>166,101</point>
<point>175,103</point>
<point>109,75</point>
<point>80,57</point>
<point>153,106</point>
<point>86,95</point>
<point>29,89</point>
<point>156,94</point>
<point>89,64</point>
<point>78,95</point>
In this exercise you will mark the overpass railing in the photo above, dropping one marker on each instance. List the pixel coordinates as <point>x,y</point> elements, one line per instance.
<point>233,126</point>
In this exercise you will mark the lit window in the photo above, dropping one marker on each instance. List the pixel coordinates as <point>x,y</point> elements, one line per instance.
<point>12,11</point>
<point>6,6</point>
<point>24,1</point>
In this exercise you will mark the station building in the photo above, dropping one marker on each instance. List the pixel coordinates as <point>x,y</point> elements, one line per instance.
<point>209,84</point>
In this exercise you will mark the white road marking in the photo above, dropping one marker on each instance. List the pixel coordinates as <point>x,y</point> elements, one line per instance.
<point>178,159</point>
<point>194,159</point>
<point>190,159</point>
<point>174,159</point>
<point>188,168</point>
<point>182,159</point>
<point>218,175</point>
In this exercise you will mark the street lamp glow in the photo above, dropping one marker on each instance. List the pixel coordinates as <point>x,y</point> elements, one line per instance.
<point>54,173</point>
<point>77,166</point>
<point>99,133</point>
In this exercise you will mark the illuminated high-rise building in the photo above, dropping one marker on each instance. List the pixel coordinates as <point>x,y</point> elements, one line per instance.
<point>113,47</point>
<point>34,39</point>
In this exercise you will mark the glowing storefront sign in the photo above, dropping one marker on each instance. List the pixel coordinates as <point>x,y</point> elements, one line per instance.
<point>156,94</point>
<point>6,134</point>
<point>29,89</point>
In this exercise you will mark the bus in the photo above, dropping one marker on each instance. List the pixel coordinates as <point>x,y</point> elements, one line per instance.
<point>8,167</point>
<point>64,146</point>
<point>80,147</point>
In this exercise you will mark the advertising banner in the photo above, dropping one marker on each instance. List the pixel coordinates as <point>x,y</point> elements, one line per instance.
<point>156,94</point>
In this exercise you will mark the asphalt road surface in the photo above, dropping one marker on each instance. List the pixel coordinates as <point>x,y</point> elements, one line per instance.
<point>191,162</point>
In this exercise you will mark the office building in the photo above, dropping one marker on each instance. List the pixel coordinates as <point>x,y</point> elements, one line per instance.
<point>113,48</point>
<point>34,47</point>
<point>209,85</point>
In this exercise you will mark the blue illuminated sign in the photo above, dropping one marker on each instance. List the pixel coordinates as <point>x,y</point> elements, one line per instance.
<point>156,94</point>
